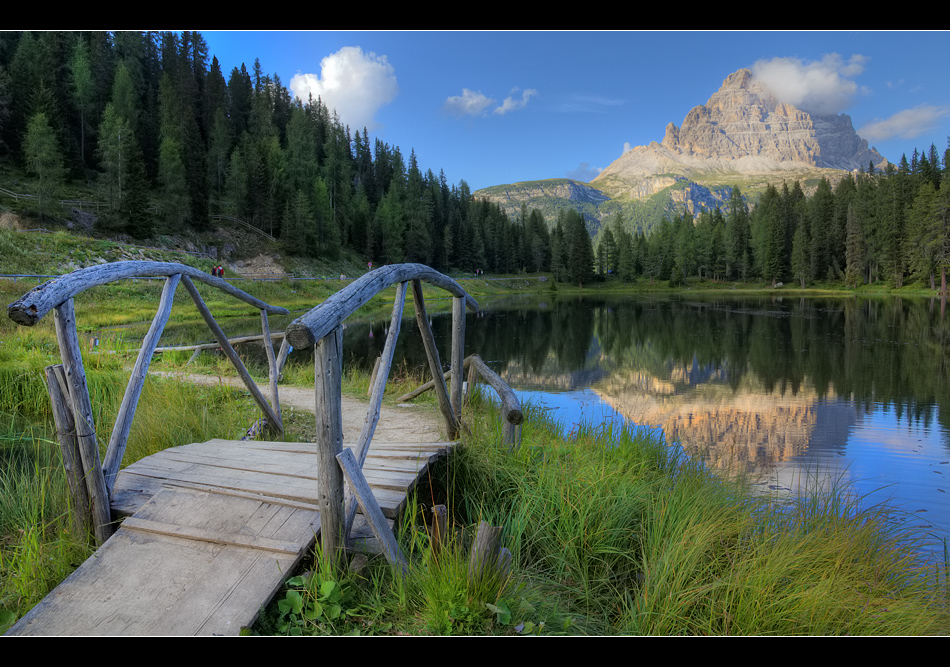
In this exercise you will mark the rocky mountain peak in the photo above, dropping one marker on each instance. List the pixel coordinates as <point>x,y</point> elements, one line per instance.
<point>743,120</point>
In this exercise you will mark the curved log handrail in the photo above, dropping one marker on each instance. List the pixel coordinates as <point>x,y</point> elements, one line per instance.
<point>67,382</point>
<point>31,307</point>
<point>311,327</point>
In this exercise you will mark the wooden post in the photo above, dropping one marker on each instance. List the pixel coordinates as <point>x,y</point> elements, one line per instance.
<point>328,371</point>
<point>273,421</point>
<point>372,378</point>
<point>72,460</point>
<point>65,318</point>
<point>377,389</point>
<point>438,531</point>
<point>123,421</point>
<point>458,353</point>
<point>483,559</point>
<point>273,373</point>
<point>435,364</point>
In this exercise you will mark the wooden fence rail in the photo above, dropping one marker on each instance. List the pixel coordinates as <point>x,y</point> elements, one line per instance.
<point>320,328</point>
<point>92,481</point>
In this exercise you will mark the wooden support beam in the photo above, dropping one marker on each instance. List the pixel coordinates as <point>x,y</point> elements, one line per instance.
<point>65,318</point>
<point>285,349</point>
<point>328,371</point>
<point>510,405</point>
<point>273,421</point>
<point>374,515</point>
<point>123,421</point>
<point>438,530</point>
<point>377,389</point>
<point>435,364</point>
<point>458,352</point>
<point>198,347</point>
<point>483,559</point>
<point>69,445</point>
<point>273,373</point>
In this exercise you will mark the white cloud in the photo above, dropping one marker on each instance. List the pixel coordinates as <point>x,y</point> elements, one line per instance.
<point>354,83</point>
<point>823,87</point>
<point>469,103</point>
<point>626,147</point>
<point>511,104</point>
<point>906,124</point>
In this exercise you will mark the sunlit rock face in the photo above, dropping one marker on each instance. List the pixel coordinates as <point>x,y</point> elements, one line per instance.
<point>743,129</point>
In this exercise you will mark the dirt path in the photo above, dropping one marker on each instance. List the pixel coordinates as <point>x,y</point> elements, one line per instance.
<point>402,423</point>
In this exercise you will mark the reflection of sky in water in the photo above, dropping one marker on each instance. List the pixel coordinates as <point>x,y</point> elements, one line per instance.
<point>571,408</point>
<point>882,457</point>
<point>567,408</point>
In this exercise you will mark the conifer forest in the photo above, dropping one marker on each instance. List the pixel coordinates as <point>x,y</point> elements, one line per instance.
<point>169,142</point>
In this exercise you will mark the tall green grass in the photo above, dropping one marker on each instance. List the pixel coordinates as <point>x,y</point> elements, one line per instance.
<point>653,543</point>
<point>612,532</point>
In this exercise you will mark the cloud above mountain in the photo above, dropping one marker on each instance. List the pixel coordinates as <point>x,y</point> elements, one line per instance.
<point>354,83</point>
<point>822,87</point>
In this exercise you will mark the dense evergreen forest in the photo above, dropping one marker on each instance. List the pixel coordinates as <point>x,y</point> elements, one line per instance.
<point>148,121</point>
<point>168,143</point>
<point>891,226</point>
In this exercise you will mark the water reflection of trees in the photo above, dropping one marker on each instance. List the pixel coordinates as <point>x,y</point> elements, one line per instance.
<point>890,351</point>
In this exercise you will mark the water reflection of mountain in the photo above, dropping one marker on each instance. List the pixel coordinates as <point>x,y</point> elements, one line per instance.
<point>743,430</point>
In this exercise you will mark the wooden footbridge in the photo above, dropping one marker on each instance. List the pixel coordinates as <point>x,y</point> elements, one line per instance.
<point>195,539</point>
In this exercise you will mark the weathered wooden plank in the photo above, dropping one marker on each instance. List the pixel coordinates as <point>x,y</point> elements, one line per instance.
<point>166,585</point>
<point>213,536</point>
<point>30,308</point>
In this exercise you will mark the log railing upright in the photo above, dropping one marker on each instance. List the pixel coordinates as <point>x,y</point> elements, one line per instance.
<point>92,481</point>
<point>320,328</point>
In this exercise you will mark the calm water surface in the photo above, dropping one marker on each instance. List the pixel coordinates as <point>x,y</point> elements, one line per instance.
<point>796,391</point>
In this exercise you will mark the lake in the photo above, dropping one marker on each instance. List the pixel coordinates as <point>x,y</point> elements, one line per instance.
<point>792,391</point>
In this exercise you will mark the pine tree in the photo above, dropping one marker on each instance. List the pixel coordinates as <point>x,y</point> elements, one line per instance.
<point>855,252</point>
<point>45,161</point>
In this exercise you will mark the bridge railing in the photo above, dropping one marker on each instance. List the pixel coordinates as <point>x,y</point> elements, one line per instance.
<point>92,482</point>
<point>321,328</point>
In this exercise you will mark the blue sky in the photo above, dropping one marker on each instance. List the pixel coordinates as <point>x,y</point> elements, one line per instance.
<point>500,107</point>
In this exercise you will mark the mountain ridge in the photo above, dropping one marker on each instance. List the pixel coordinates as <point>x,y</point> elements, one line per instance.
<point>741,137</point>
